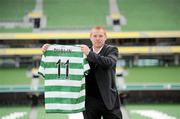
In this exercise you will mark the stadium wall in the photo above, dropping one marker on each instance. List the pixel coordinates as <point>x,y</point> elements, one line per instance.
<point>139,96</point>
<point>155,96</point>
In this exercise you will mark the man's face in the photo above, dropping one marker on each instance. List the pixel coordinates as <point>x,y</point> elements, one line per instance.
<point>98,38</point>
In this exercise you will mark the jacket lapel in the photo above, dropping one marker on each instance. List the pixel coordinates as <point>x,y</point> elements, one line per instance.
<point>103,50</point>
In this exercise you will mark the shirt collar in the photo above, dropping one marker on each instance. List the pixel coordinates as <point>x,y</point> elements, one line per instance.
<point>97,52</point>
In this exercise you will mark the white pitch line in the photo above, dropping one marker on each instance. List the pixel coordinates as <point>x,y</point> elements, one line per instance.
<point>33,114</point>
<point>14,115</point>
<point>153,114</point>
<point>76,116</point>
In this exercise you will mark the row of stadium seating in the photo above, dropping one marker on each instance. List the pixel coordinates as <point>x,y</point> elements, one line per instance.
<point>128,87</point>
<point>75,13</point>
<point>150,15</point>
<point>153,75</point>
<point>122,50</point>
<point>141,15</point>
<point>15,10</point>
<point>85,35</point>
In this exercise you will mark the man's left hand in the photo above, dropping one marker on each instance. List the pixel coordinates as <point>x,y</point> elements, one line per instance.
<point>85,49</point>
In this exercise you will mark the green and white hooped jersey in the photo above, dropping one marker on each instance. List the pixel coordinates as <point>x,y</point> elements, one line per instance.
<point>63,68</point>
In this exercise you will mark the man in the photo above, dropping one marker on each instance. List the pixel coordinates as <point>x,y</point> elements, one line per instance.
<point>101,94</point>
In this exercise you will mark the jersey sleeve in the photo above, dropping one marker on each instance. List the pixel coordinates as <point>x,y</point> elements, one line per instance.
<point>86,65</point>
<point>42,66</point>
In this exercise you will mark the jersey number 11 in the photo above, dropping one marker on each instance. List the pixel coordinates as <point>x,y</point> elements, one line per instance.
<point>59,68</point>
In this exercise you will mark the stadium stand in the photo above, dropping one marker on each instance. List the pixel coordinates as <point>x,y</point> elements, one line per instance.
<point>16,10</point>
<point>13,15</point>
<point>75,14</point>
<point>123,50</point>
<point>150,15</point>
<point>85,35</point>
<point>148,40</point>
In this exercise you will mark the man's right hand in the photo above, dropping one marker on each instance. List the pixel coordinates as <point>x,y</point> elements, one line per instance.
<point>45,47</point>
<point>85,49</point>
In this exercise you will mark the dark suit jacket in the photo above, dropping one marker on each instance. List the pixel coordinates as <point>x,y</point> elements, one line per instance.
<point>105,74</point>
